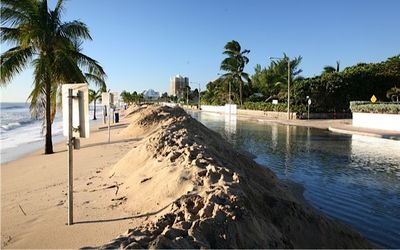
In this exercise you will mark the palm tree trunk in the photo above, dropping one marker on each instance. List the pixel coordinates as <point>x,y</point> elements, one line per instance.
<point>94,111</point>
<point>48,144</point>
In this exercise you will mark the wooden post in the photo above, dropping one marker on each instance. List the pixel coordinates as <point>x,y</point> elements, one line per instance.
<point>70,159</point>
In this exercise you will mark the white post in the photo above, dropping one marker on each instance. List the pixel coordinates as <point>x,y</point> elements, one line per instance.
<point>70,159</point>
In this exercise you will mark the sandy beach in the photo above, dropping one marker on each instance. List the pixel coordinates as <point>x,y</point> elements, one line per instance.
<point>33,196</point>
<point>164,181</point>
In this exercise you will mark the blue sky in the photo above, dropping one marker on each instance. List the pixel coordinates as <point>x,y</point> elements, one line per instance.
<point>142,43</point>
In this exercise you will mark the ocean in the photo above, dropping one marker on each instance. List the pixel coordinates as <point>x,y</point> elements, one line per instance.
<point>21,134</point>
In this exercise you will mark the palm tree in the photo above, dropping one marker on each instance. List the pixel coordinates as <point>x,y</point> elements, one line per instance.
<point>393,94</point>
<point>94,96</point>
<point>331,69</point>
<point>234,64</point>
<point>51,46</point>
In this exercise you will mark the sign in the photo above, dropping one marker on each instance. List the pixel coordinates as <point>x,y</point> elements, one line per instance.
<point>274,101</point>
<point>373,99</point>
<point>107,98</point>
<point>80,109</point>
<point>115,98</point>
<point>309,101</point>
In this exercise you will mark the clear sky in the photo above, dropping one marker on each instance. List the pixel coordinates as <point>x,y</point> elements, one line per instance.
<point>142,43</point>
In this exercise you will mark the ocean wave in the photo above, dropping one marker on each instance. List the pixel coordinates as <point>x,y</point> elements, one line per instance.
<point>13,125</point>
<point>6,107</point>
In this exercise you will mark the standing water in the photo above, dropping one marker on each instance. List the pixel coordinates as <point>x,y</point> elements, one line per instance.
<point>354,179</point>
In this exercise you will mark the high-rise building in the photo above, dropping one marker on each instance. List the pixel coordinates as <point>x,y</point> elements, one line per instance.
<point>178,85</point>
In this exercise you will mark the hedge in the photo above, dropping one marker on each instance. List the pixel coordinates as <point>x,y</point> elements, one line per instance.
<point>367,107</point>
<point>267,106</point>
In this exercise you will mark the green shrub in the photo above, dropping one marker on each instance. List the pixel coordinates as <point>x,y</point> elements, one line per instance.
<point>367,107</point>
<point>267,106</point>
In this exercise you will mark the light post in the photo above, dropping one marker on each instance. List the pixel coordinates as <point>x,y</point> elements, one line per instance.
<point>288,86</point>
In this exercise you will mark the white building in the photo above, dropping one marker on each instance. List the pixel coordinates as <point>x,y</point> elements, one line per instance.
<point>178,85</point>
<point>150,94</point>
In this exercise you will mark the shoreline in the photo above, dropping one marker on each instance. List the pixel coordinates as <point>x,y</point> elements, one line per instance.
<point>24,150</point>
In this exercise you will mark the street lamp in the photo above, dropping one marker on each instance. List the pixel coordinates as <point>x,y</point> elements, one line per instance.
<point>288,85</point>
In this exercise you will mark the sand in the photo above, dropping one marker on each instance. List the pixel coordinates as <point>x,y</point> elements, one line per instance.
<point>166,181</point>
<point>36,186</point>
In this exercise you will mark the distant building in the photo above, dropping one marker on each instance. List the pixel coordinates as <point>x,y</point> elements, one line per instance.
<point>150,94</point>
<point>178,85</point>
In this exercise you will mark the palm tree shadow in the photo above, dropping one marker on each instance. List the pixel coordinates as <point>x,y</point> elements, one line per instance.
<point>122,218</point>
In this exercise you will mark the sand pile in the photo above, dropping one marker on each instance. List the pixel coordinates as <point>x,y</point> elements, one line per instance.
<point>197,191</point>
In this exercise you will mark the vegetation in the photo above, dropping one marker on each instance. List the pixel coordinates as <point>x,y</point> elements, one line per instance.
<point>331,91</point>
<point>94,96</point>
<point>234,65</point>
<point>367,107</point>
<point>39,37</point>
<point>130,98</point>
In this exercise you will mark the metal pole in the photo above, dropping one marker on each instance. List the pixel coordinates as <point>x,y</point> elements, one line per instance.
<point>109,119</point>
<point>199,97</point>
<point>308,115</point>
<point>288,90</point>
<point>70,159</point>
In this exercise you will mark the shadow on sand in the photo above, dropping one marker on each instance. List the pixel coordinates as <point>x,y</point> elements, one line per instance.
<point>122,218</point>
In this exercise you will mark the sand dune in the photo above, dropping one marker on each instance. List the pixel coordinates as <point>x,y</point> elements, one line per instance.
<point>198,192</point>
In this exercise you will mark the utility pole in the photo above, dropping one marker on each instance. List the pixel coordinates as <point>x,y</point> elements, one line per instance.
<point>199,96</point>
<point>70,159</point>
<point>288,90</point>
<point>288,83</point>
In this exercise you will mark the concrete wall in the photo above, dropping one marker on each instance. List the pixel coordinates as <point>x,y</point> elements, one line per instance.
<point>377,121</point>
<point>267,114</point>
<point>220,109</point>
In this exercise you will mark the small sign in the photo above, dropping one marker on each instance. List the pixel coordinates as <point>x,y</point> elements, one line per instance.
<point>309,101</point>
<point>105,98</point>
<point>373,99</point>
<point>274,101</point>
<point>80,109</point>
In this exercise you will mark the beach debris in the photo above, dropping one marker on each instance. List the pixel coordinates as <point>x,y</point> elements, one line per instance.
<point>145,179</point>
<point>22,209</point>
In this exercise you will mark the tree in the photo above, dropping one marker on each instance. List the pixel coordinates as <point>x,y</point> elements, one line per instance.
<point>51,46</point>
<point>94,96</point>
<point>331,69</point>
<point>234,65</point>
<point>271,81</point>
<point>393,94</point>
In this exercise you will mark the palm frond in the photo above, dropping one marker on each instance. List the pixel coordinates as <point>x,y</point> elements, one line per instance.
<point>13,62</point>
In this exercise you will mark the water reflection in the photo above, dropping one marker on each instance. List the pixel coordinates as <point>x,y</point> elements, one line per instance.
<point>352,178</point>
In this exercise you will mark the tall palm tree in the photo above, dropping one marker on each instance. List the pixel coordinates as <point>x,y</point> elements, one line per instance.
<point>51,47</point>
<point>234,64</point>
